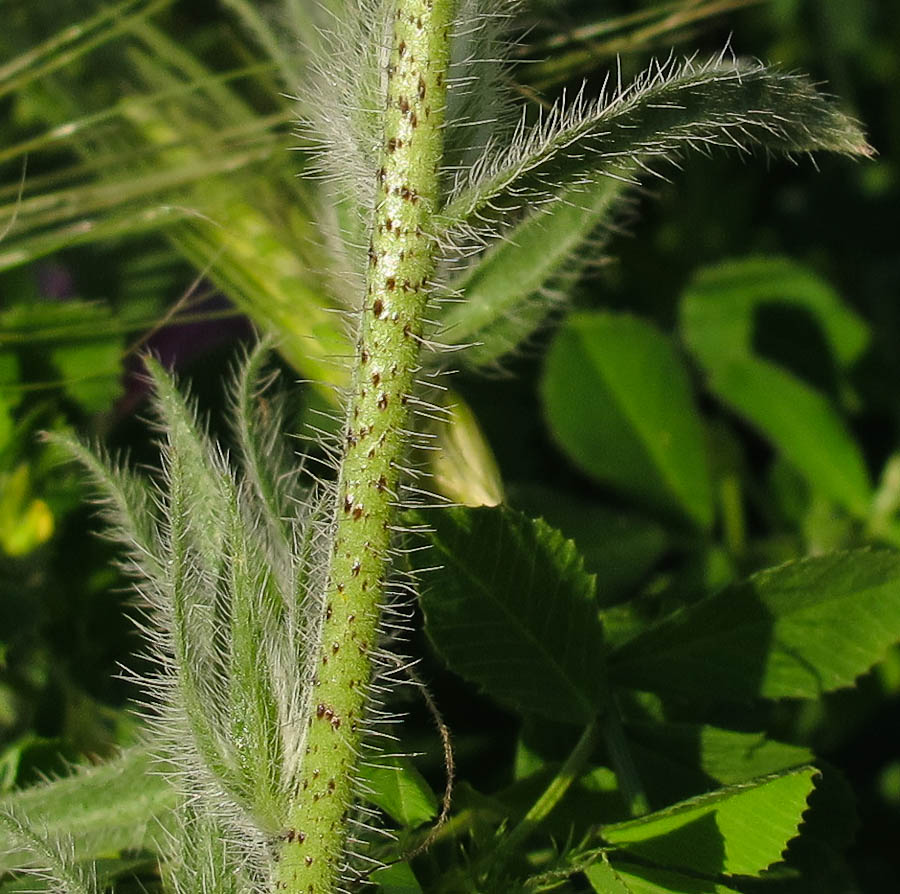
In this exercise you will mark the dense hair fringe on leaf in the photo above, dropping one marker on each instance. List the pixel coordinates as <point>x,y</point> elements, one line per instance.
<point>231,574</point>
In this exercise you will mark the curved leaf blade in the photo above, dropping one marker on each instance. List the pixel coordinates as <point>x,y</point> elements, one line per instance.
<point>795,631</point>
<point>622,877</point>
<point>619,402</point>
<point>512,610</point>
<point>740,830</point>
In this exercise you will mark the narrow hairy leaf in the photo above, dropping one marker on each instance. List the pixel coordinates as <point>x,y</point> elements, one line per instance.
<point>795,631</point>
<point>619,403</point>
<point>720,320</point>
<point>105,809</point>
<point>740,830</point>
<point>253,713</point>
<point>258,423</point>
<point>125,501</point>
<point>196,476</point>
<point>48,860</point>
<point>512,610</point>
<point>203,856</point>
<point>199,492</point>
<point>510,290</point>
<point>671,108</point>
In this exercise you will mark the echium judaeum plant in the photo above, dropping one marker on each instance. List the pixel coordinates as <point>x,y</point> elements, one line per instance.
<point>268,593</point>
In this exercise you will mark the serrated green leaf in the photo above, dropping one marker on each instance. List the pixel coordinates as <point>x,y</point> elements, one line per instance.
<point>740,830</point>
<point>618,401</point>
<point>400,790</point>
<point>512,610</point>
<point>622,877</point>
<point>604,880</point>
<point>676,760</point>
<point>619,547</point>
<point>511,288</point>
<point>795,631</point>
<point>105,809</point>
<point>718,320</point>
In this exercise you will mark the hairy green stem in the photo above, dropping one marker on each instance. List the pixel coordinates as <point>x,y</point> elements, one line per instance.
<point>401,264</point>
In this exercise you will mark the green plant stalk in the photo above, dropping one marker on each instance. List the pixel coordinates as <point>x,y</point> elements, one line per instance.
<point>401,263</point>
<point>574,765</point>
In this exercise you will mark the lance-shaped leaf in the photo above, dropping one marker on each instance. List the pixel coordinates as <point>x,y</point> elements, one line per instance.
<point>512,287</point>
<point>125,503</point>
<point>739,830</point>
<point>795,631</point>
<point>512,610</point>
<point>669,109</point>
<point>103,810</point>
<point>48,860</point>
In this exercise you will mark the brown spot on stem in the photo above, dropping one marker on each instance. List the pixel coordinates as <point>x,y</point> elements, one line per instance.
<point>376,378</point>
<point>378,307</point>
<point>382,401</point>
<point>390,284</point>
<point>422,87</point>
<point>401,48</point>
<point>357,513</point>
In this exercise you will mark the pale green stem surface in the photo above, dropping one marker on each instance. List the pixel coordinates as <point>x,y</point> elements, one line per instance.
<point>401,263</point>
